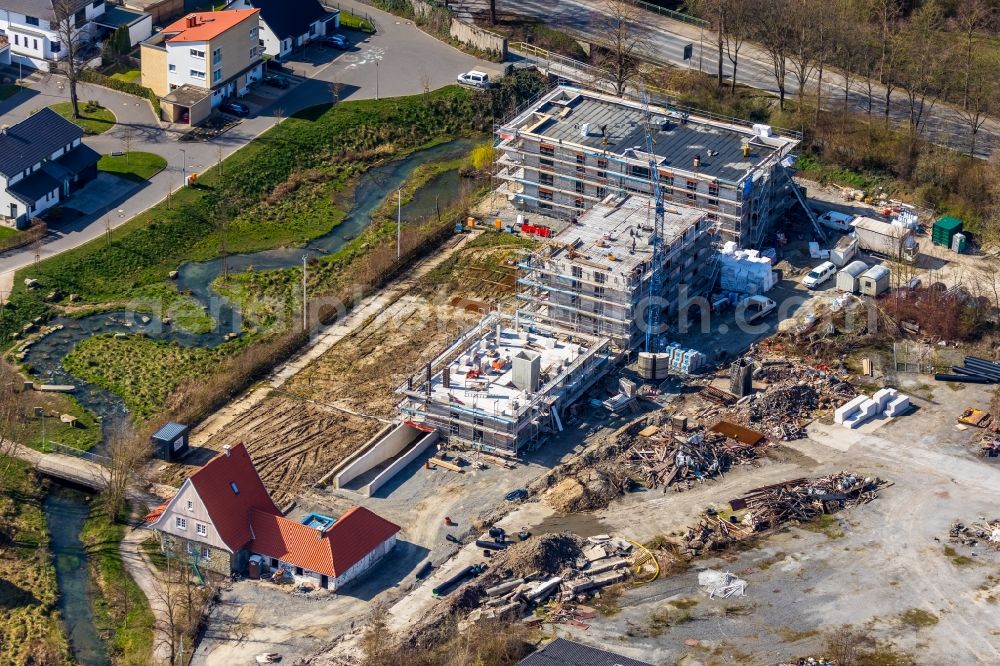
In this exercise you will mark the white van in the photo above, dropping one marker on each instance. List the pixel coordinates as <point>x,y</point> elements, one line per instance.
<point>833,219</point>
<point>755,307</point>
<point>819,275</point>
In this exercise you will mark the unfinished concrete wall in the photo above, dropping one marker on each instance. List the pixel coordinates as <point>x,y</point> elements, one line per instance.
<point>383,450</point>
<point>480,39</point>
<point>397,466</point>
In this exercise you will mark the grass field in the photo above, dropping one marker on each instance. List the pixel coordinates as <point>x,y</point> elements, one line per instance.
<point>8,90</point>
<point>96,121</point>
<point>30,630</point>
<point>137,166</point>
<point>121,611</point>
<point>130,76</point>
<point>7,232</point>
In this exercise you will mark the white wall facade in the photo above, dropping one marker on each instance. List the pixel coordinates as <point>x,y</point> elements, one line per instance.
<point>182,62</point>
<point>34,41</point>
<point>366,563</point>
<point>20,208</point>
<point>187,505</point>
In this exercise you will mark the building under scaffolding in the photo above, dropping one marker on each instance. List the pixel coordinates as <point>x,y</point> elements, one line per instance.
<point>502,385</point>
<point>594,276</point>
<point>573,148</point>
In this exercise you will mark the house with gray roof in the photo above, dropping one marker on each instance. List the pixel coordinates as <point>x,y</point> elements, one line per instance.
<point>32,28</point>
<point>288,24</point>
<point>42,161</point>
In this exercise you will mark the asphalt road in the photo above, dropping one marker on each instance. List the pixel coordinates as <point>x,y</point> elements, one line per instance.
<point>398,60</point>
<point>665,40</point>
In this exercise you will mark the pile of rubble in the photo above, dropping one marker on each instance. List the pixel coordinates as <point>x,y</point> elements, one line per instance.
<point>558,568</point>
<point>712,534</point>
<point>669,458</point>
<point>587,489</point>
<point>794,393</point>
<point>987,531</point>
<point>804,499</point>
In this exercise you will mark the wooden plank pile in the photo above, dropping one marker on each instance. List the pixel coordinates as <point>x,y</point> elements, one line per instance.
<point>804,499</point>
<point>986,531</point>
<point>669,458</point>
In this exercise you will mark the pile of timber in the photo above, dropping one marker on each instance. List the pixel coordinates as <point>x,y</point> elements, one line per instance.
<point>669,458</point>
<point>804,499</point>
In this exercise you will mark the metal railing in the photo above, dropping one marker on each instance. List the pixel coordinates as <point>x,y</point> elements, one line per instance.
<point>56,447</point>
<point>669,13</point>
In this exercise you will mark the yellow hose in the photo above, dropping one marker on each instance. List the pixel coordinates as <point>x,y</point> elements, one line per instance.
<point>640,562</point>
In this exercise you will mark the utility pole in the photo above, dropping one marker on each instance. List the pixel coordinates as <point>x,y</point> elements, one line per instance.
<point>107,228</point>
<point>305,302</point>
<point>399,220</point>
<point>184,169</point>
<point>376,80</point>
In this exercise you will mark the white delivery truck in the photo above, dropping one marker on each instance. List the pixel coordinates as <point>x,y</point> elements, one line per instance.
<point>885,240</point>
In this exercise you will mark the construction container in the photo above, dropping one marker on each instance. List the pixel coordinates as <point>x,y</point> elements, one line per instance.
<point>944,229</point>
<point>845,250</point>
<point>847,278</point>
<point>874,281</point>
<point>958,243</point>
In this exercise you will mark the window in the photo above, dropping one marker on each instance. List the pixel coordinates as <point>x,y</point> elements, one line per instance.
<point>274,563</point>
<point>581,158</point>
<point>34,44</point>
<point>600,278</point>
<point>579,186</point>
<point>640,171</point>
<point>454,428</point>
<point>546,149</point>
<point>580,169</point>
<point>545,163</point>
<point>191,549</point>
<point>216,76</point>
<point>80,17</point>
<point>195,74</point>
<point>205,554</point>
<point>666,179</point>
<point>692,185</point>
<point>477,420</point>
<point>236,490</point>
<point>577,272</point>
<point>253,52</point>
<point>172,68</point>
<point>602,192</point>
<point>31,20</point>
<point>190,505</point>
<point>691,196</point>
<point>56,47</point>
<point>201,529</point>
<point>713,189</point>
<point>545,178</point>
<point>198,53</point>
<point>181,523</point>
<point>578,203</point>
<point>96,3</point>
<point>253,33</point>
<point>545,195</point>
<point>713,202</point>
<point>298,571</point>
<point>477,435</point>
<point>217,56</point>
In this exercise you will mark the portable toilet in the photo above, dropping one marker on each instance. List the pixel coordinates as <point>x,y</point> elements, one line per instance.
<point>958,243</point>
<point>847,277</point>
<point>944,229</point>
<point>874,281</point>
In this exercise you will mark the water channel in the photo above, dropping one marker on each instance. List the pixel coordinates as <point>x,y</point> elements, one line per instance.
<point>66,509</point>
<point>45,356</point>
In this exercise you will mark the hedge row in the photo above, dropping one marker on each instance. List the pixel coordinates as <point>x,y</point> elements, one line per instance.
<point>127,87</point>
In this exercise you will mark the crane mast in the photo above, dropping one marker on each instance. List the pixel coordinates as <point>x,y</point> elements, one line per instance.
<point>653,309</point>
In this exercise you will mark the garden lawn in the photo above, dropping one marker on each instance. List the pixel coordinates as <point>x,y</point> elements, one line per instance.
<point>30,631</point>
<point>98,121</point>
<point>7,232</point>
<point>355,22</point>
<point>131,76</point>
<point>121,610</point>
<point>137,166</point>
<point>8,90</point>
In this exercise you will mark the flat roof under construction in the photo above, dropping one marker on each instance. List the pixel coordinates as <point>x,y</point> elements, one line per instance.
<point>616,126</point>
<point>481,367</point>
<point>615,235</point>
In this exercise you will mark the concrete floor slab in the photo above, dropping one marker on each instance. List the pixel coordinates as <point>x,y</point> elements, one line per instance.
<point>101,193</point>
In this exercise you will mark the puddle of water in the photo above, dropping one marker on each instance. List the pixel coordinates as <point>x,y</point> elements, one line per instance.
<point>583,524</point>
<point>65,512</point>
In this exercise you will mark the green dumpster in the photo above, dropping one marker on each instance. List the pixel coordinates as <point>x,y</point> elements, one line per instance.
<point>944,229</point>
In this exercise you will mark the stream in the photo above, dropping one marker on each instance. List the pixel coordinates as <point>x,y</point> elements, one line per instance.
<point>45,356</point>
<point>65,511</point>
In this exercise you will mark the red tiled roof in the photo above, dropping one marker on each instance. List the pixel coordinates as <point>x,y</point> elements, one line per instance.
<point>229,509</point>
<point>206,25</point>
<point>155,514</point>
<point>347,542</point>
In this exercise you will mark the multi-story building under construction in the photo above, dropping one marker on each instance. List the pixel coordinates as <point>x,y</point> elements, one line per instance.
<point>573,148</point>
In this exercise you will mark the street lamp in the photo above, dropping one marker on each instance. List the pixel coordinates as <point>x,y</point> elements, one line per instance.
<point>184,169</point>
<point>376,80</point>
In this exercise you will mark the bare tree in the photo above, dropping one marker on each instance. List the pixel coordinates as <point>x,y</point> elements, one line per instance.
<point>13,424</point>
<point>127,137</point>
<point>493,12</point>
<point>921,75</point>
<point>973,16</point>
<point>885,15</point>
<point>740,18</point>
<point>67,22</point>
<point>127,452</point>
<point>981,90</point>
<point>773,33</point>
<point>621,44</point>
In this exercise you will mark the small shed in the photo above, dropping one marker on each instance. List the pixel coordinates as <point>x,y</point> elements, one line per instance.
<point>874,281</point>
<point>847,277</point>
<point>944,229</point>
<point>171,441</point>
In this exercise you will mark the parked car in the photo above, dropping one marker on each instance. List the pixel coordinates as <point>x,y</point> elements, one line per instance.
<point>819,275</point>
<point>475,79</point>
<point>238,109</point>
<point>756,307</point>
<point>276,81</point>
<point>833,219</point>
<point>336,41</point>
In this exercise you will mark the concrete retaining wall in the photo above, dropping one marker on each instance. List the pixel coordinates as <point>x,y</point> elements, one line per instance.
<point>468,34</point>
<point>422,445</point>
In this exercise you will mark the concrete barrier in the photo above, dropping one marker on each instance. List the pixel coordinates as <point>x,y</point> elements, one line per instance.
<point>402,438</point>
<point>419,447</point>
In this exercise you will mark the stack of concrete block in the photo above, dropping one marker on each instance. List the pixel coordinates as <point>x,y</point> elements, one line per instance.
<point>847,409</point>
<point>898,406</point>
<point>865,411</point>
<point>884,396</point>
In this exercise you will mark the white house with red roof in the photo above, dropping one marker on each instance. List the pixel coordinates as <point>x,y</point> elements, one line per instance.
<point>223,514</point>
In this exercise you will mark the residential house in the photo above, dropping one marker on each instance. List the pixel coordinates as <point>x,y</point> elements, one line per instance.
<point>42,161</point>
<point>201,59</point>
<point>562,652</point>
<point>31,27</point>
<point>222,515</point>
<point>327,556</point>
<point>4,50</point>
<point>288,24</point>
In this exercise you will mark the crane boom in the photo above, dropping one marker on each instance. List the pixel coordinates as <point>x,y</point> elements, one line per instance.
<point>653,309</point>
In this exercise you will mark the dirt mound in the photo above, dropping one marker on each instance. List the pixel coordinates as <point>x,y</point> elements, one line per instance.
<point>590,489</point>
<point>547,554</point>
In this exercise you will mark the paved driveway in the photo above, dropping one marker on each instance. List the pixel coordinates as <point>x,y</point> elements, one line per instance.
<point>407,60</point>
<point>101,193</point>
